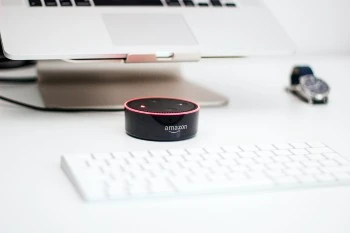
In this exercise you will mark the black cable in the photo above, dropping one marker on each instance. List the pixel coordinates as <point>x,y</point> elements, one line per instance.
<point>9,80</point>
<point>10,64</point>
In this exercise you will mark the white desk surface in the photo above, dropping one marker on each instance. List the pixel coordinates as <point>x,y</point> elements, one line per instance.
<point>36,196</point>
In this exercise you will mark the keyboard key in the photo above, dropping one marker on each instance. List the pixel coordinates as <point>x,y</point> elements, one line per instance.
<point>155,168</point>
<point>228,162</point>
<point>156,159</point>
<point>254,183</point>
<point>293,172</point>
<point>231,149</point>
<point>188,3</point>
<point>342,161</point>
<point>283,146</point>
<point>177,151</point>
<point>315,144</point>
<point>66,3</point>
<point>275,173</point>
<point>172,2</point>
<point>238,175</point>
<point>195,150</point>
<point>294,164</point>
<point>320,150</point>
<point>82,3</point>
<point>300,158</point>
<point>249,148</point>
<point>264,160</point>
<point>329,163</point>
<point>325,177</point>
<point>266,147</point>
<point>285,180</point>
<point>337,157</point>
<point>239,168</point>
<point>216,3</point>
<point>306,179</point>
<point>159,153</point>
<point>118,156</point>
<point>310,164</point>
<point>35,3</point>
<point>139,190</point>
<point>342,176</point>
<point>282,152</point>
<point>246,161</point>
<point>213,149</point>
<point>194,157</point>
<point>203,4</point>
<point>161,185</point>
<point>229,155</point>
<point>299,145</point>
<point>257,167</point>
<point>118,191</point>
<point>136,153</point>
<point>316,157</point>
<point>276,166</point>
<point>257,172</point>
<point>50,2</point>
<point>299,151</point>
<point>128,3</point>
<point>311,171</point>
<point>282,159</point>
<point>336,169</point>
<point>102,156</point>
<point>94,192</point>
<point>247,154</point>
<point>265,153</point>
<point>230,5</point>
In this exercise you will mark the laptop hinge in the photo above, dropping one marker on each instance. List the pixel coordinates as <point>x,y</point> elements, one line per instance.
<point>162,57</point>
<point>146,58</point>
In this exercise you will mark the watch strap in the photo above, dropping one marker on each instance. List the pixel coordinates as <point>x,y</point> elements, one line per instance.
<point>299,71</point>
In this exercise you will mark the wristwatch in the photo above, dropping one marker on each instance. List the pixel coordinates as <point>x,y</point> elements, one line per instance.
<point>308,87</point>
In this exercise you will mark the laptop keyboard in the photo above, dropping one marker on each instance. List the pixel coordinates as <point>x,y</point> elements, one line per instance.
<point>170,3</point>
<point>127,3</point>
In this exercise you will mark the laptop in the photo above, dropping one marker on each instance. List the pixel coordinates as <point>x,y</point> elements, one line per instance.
<point>139,30</point>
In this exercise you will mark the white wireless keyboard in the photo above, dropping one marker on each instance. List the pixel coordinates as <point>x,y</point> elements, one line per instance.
<point>135,174</point>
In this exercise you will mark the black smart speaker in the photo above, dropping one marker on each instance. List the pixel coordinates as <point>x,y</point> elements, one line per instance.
<point>161,119</point>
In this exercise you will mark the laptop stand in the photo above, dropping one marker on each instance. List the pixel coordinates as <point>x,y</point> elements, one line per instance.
<point>106,85</point>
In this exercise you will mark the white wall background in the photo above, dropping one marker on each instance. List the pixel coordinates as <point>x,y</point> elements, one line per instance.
<point>318,27</point>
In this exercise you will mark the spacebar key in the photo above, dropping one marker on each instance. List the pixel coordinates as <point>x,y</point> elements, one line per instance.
<point>128,3</point>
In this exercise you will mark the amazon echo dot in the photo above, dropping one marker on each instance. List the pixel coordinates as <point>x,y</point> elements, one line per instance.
<point>161,119</point>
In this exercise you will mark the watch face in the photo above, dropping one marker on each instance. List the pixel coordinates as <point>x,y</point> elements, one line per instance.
<point>314,87</point>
